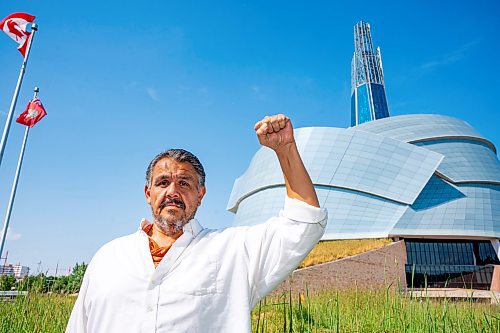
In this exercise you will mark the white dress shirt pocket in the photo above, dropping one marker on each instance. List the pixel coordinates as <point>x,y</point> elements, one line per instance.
<point>196,276</point>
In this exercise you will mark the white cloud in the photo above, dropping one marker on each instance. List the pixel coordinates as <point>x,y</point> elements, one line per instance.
<point>257,92</point>
<point>449,58</point>
<point>12,235</point>
<point>153,94</point>
<point>255,89</point>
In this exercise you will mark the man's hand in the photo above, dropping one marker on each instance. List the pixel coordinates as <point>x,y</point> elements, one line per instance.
<point>275,132</point>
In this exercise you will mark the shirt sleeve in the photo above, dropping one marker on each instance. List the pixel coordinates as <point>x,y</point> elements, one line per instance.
<point>274,249</point>
<point>78,320</point>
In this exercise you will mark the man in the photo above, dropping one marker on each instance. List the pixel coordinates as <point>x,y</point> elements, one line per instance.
<point>174,276</point>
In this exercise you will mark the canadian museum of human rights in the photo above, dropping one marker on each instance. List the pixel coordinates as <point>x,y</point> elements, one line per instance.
<point>430,180</point>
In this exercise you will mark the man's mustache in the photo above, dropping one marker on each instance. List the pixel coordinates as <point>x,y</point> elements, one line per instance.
<point>176,202</point>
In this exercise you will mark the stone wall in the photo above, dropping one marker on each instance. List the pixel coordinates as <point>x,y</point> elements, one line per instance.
<point>373,269</point>
<point>495,281</point>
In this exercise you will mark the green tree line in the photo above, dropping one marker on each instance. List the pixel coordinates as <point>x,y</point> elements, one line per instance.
<point>42,283</point>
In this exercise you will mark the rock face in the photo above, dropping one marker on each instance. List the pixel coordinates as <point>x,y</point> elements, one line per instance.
<point>373,269</point>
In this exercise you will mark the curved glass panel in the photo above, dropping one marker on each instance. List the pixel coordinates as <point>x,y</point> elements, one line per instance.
<point>417,127</point>
<point>376,186</point>
<point>352,214</point>
<point>348,159</point>
<point>445,209</point>
<point>465,160</point>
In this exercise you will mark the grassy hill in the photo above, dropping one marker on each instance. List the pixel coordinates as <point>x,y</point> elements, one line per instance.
<point>333,250</point>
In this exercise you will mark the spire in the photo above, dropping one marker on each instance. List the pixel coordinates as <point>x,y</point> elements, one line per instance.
<point>368,98</point>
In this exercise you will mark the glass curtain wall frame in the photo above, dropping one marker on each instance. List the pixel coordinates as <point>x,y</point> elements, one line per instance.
<point>449,263</point>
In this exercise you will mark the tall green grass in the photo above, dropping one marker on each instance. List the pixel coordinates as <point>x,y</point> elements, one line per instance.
<point>371,311</point>
<point>335,311</point>
<point>36,313</point>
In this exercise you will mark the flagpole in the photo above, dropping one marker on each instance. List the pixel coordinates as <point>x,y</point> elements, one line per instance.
<point>34,28</point>
<point>14,185</point>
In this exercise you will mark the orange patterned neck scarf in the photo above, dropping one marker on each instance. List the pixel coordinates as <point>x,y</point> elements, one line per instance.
<point>157,252</point>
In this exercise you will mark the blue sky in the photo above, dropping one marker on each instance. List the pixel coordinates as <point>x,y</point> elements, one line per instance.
<point>122,81</point>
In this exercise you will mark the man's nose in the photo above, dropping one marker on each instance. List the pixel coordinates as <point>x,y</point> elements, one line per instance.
<point>172,190</point>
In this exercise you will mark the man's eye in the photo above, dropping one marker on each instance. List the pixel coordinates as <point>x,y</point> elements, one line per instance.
<point>162,183</point>
<point>184,184</point>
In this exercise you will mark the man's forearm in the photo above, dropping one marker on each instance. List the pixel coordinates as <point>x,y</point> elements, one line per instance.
<point>276,132</point>
<point>297,181</point>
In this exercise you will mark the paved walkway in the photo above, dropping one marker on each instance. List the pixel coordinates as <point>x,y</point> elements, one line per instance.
<point>457,293</point>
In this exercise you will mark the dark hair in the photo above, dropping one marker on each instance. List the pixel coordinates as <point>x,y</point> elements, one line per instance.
<point>179,155</point>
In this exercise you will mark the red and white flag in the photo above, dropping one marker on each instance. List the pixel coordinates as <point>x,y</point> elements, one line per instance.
<point>14,26</point>
<point>33,113</point>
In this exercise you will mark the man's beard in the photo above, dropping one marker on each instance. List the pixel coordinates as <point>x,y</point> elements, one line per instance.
<point>171,227</point>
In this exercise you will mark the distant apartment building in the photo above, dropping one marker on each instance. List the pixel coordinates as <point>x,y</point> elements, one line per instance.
<point>18,271</point>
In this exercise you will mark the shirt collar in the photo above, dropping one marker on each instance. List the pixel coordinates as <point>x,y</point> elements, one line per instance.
<point>192,228</point>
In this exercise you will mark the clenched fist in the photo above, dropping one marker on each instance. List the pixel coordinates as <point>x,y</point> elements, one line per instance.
<point>275,132</point>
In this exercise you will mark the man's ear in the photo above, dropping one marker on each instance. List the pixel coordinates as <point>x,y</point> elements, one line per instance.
<point>201,194</point>
<point>147,193</point>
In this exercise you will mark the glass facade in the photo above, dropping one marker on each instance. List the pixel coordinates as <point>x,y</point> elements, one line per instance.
<point>411,176</point>
<point>449,263</point>
<point>375,185</point>
<point>355,215</point>
<point>379,101</point>
<point>346,159</point>
<point>363,104</point>
<point>413,128</point>
<point>406,176</point>
<point>441,276</point>
<point>466,160</point>
<point>368,97</point>
<point>444,208</point>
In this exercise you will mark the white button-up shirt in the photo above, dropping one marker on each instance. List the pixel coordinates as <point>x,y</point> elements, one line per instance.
<point>208,281</point>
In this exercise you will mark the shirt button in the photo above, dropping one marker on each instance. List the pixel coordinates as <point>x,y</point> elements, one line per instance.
<point>149,308</point>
